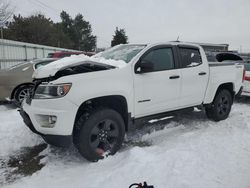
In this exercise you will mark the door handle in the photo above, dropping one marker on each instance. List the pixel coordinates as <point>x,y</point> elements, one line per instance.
<point>202,73</point>
<point>174,77</point>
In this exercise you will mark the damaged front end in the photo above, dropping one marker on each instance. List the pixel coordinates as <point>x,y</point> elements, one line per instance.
<point>77,68</point>
<point>48,73</point>
<point>84,67</point>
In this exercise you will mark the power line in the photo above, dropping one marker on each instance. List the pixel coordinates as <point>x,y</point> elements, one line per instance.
<point>45,5</point>
<point>42,6</point>
<point>35,3</point>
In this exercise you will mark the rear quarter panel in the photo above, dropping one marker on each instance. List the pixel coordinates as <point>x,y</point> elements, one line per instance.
<point>221,73</point>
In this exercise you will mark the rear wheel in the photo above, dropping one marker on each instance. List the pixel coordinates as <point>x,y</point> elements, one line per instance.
<point>100,133</point>
<point>221,106</point>
<point>21,93</point>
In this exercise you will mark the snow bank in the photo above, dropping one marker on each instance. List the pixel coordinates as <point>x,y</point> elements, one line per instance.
<point>13,133</point>
<point>193,152</point>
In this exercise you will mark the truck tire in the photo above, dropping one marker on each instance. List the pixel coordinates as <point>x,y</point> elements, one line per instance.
<point>99,133</point>
<point>221,106</point>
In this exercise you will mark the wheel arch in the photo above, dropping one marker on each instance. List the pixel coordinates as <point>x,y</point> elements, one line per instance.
<point>228,86</point>
<point>217,110</point>
<point>117,102</point>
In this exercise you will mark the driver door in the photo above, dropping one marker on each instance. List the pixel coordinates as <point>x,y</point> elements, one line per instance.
<point>157,82</point>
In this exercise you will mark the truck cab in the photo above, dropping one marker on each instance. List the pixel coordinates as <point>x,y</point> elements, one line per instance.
<point>169,77</point>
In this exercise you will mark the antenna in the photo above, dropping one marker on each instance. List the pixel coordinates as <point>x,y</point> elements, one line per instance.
<point>178,38</point>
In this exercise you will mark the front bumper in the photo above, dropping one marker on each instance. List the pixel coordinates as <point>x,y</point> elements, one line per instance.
<point>56,140</point>
<point>64,111</point>
<point>27,121</point>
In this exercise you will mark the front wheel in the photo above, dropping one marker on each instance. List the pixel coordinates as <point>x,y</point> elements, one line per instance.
<point>100,133</point>
<point>221,106</point>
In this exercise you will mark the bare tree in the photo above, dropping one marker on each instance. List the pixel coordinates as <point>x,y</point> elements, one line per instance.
<point>5,14</point>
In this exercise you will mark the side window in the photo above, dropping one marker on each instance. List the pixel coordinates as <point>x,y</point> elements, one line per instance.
<point>190,57</point>
<point>162,59</point>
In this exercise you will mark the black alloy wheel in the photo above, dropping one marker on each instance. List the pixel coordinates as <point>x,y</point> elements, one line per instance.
<point>99,133</point>
<point>223,105</point>
<point>104,136</point>
<point>220,108</point>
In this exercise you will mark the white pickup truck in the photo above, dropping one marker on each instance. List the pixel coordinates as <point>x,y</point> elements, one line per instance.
<point>93,101</point>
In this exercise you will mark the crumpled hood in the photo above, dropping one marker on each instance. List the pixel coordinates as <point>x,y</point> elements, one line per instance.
<point>51,69</point>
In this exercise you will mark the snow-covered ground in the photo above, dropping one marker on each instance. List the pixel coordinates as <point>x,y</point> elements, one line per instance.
<point>190,151</point>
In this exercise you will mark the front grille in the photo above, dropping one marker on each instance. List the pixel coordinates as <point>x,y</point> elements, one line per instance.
<point>36,84</point>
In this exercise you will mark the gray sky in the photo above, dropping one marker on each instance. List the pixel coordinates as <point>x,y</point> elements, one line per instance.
<point>212,21</point>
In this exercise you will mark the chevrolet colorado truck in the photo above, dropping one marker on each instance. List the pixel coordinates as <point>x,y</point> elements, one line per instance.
<point>93,101</point>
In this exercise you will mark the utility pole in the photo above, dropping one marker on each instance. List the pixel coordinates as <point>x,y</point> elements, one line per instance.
<point>2,33</point>
<point>2,46</point>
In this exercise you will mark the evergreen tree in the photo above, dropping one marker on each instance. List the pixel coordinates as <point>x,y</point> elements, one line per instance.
<point>69,33</point>
<point>84,39</point>
<point>119,37</point>
<point>79,31</point>
<point>36,29</point>
<point>67,24</point>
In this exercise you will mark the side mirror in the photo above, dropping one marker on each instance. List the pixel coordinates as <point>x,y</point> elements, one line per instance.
<point>144,67</point>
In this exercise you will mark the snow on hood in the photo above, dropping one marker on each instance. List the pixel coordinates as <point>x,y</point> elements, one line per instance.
<point>52,68</point>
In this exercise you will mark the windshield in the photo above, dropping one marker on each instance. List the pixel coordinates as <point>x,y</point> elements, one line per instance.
<point>122,52</point>
<point>43,63</point>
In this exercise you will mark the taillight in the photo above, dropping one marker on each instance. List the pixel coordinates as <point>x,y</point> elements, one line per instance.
<point>244,75</point>
<point>247,78</point>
